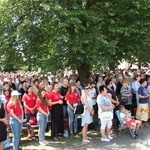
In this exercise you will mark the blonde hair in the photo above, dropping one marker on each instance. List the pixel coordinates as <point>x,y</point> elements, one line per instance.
<point>14,99</point>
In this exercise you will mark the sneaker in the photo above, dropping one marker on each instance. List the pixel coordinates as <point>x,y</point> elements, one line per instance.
<point>109,137</point>
<point>105,140</point>
<point>46,142</point>
<point>42,143</point>
<point>86,141</point>
<point>136,132</point>
<point>133,136</point>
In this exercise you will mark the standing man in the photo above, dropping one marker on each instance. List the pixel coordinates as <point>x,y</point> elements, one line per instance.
<point>63,91</point>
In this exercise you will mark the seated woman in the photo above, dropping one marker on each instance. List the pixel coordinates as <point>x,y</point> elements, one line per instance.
<point>128,121</point>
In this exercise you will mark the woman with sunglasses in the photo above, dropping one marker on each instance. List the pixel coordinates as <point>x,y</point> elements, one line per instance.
<point>87,118</point>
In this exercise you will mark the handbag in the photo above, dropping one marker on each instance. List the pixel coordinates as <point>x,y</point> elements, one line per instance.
<point>32,120</point>
<point>79,109</point>
<point>105,116</point>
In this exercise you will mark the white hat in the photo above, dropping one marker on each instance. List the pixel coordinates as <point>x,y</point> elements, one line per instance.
<point>15,93</point>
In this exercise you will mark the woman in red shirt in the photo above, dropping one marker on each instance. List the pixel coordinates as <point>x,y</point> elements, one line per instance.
<point>15,110</point>
<point>72,98</point>
<point>42,116</point>
<point>56,102</point>
<point>29,101</point>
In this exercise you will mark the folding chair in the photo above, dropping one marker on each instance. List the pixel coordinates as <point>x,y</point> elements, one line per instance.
<point>122,129</point>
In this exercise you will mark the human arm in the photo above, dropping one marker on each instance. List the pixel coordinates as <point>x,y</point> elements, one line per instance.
<point>112,100</point>
<point>43,112</point>
<point>11,112</point>
<point>84,99</point>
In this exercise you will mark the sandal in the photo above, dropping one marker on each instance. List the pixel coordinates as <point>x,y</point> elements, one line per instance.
<point>30,136</point>
<point>89,138</point>
<point>86,141</point>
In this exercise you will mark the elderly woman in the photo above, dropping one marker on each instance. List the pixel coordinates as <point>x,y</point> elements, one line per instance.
<point>87,118</point>
<point>142,109</point>
<point>126,95</point>
<point>105,105</point>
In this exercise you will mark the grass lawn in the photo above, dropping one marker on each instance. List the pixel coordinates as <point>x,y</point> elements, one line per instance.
<point>69,142</point>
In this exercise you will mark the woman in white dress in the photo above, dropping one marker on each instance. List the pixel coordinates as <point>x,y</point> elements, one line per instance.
<point>87,118</point>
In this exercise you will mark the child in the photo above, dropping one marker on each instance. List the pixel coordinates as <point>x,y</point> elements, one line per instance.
<point>128,121</point>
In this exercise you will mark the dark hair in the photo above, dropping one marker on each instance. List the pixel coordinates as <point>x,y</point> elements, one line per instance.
<point>107,82</point>
<point>22,82</point>
<point>85,85</point>
<point>7,89</point>
<point>29,86</point>
<point>136,77</point>
<point>42,99</point>
<point>142,81</point>
<point>36,80</point>
<point>101,88</point>
<point>54,83</point>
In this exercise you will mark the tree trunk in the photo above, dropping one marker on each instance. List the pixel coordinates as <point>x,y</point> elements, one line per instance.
<point>84,72</point>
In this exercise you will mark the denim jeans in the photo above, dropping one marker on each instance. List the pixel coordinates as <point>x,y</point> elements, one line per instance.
<point>16,128</point>
<point>42,121</point>
<point>73,123</point>
<point>65,114</point>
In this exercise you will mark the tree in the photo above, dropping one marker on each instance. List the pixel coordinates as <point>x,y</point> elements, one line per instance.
<point>76,34</point>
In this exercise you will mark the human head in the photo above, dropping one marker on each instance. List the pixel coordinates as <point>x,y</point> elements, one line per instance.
<point>7,91</point>
<point>29,89</point>
<point>65,82</point>
<point>86,88</point>
<point>55,86</point>
<point>124,82</point>
<point>122,108</point>
<point>143,82</point>
<point>103,89</point>
<point>24,83</point>
<point>36,81</point>
<point>108,83</point>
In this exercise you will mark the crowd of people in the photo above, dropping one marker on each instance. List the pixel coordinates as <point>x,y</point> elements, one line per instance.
<point>30,97</point>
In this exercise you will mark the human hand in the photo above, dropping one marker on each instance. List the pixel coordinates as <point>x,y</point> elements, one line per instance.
<point>5,121</point>
<point>47,115</point>
<point>60,102</point>
<point>113,106</point>
<point>92,112</point>
<point>20,120</point>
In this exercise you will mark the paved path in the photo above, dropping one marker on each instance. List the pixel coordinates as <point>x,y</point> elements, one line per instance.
<point>124,142</point>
